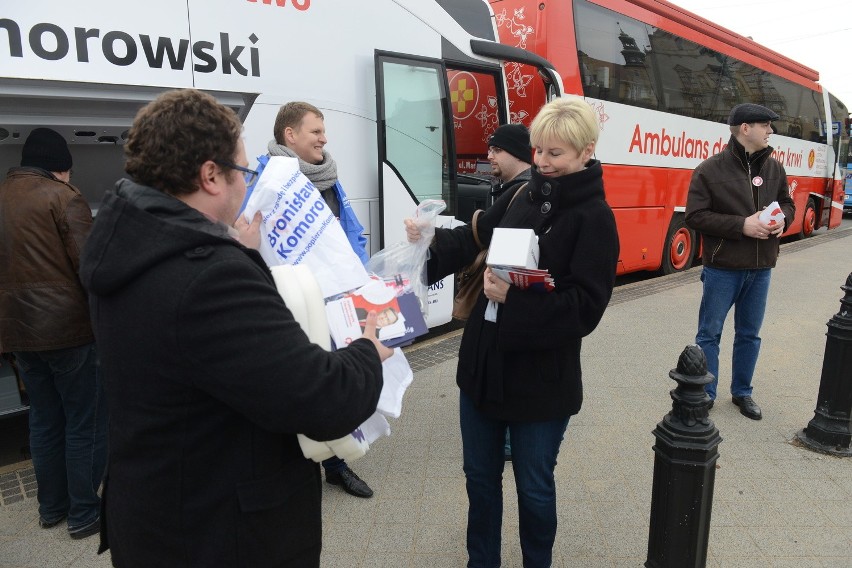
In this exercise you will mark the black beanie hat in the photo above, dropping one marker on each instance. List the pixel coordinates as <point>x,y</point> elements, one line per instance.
<point>46,149</point>
<point>515,139</point>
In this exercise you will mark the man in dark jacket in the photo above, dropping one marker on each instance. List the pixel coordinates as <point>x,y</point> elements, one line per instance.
<point>726,196</point>
<point>44,321</point>
<point>510,155</point>
<point>209,377</point>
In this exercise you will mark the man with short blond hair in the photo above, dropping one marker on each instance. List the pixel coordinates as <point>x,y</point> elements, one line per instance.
<point>299,133</point>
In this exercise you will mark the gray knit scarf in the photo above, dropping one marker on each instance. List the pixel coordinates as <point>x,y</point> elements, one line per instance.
<point>322,175</point>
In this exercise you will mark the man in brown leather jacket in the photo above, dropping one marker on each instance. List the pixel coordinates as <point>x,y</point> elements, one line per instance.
<point>44,322</point>
<point>727,195</point>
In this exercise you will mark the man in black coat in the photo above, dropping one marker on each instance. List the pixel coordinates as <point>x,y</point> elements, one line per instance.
<point>208,376</point>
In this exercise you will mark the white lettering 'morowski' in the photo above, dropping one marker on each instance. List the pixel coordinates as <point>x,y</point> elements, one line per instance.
<point>51,42</point>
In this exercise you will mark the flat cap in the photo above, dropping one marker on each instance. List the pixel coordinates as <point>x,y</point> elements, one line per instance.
<point>748,113</point>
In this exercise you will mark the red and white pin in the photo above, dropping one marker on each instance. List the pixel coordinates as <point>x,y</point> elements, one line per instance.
<point>757,181</point>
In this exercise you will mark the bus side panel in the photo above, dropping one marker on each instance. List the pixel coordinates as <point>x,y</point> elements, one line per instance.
<point>102,44</point>
<point>836,215</point>
<point>641,237</point>
<point>519,24</point>
<point>640,227</point>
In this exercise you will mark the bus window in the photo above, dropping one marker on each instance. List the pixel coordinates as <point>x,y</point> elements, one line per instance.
<point>474,104</point>
<point>627,61</point>
<point>438,156</point>
<point>473,98</point>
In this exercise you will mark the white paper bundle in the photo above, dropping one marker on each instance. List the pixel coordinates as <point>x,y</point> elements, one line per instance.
<point>303,297</point>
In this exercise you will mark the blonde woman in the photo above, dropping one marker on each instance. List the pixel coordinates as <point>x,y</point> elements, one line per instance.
<point>522,372</point>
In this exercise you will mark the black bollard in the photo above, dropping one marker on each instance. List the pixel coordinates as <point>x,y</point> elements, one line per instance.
<point>684,470</point>
<point>830,430</point>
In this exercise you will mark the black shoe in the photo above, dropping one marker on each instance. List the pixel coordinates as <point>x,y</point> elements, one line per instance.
<point>50,524</point>
<point>351,483</point>
<point>748,407</point>
<point>712,401</point>
<point>508,456</point>
<point>86,530</point>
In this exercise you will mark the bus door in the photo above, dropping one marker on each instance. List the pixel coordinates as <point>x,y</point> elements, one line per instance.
<point>842,175</point>
<point>433,125</point>
<point>434,122</point>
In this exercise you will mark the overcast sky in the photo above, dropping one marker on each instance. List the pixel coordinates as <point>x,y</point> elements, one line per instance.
<point>816,33</point>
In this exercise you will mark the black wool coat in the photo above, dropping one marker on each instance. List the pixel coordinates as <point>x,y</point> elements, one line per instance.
<point>208,380</point>
<point>526,366</point>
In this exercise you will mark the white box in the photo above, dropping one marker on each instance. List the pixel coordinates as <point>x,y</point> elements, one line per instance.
<point>513,247</point>
<point>772,215</point>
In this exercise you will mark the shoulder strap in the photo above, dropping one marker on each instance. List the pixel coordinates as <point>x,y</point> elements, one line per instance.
<point>476,215</point>
<point>478,212</point>
<point>518,192</point>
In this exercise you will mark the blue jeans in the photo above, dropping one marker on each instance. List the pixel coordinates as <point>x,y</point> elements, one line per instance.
<point>535,446</point>
<point>68,420</point>
<point>747,291</point>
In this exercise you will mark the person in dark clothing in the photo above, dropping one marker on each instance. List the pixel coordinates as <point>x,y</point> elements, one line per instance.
<point>522,371</point>
<point>727,194</point>
<point>510,155</point>
<point>44,222</point>
<point>208,376</point>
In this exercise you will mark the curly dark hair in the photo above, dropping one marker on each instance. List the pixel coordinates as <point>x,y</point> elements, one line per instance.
<point>173,135</point>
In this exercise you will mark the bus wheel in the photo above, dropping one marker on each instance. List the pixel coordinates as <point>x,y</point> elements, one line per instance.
<point>679,248</point>
<point>809,220</point>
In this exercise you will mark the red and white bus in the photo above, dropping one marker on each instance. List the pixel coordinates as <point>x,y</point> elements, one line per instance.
<point>662,81</point>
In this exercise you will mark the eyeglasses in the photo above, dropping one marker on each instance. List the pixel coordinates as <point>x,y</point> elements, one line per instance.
<point>249,175</point>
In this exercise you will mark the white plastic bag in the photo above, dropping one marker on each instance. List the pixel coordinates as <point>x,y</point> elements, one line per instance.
<point>299,228</point>
<point>410,258</point>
